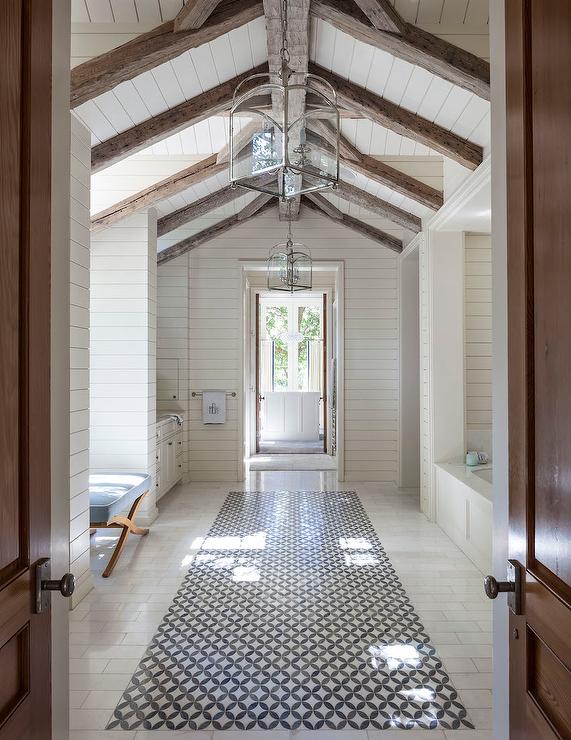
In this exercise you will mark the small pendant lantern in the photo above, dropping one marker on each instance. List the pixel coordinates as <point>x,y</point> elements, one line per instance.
<point>285,152</point>
<point>289,265</point>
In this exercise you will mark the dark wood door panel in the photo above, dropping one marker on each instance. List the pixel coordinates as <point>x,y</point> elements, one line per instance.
<point>11,509</point>
<point>550,48</point>
<point>25,194</point>
<point>538,48</point>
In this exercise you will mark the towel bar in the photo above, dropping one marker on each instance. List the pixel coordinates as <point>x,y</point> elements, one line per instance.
<point>228,393</point>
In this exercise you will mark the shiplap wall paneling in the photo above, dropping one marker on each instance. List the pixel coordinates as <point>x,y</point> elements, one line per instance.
<point>172,343</point>
<point>425,416</point>
<point>371,341</point>
<point>123,350</point>
<point>478,341</point>
<point>79,360</point>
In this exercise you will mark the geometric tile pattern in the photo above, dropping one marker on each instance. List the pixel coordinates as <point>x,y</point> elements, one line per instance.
<point>291,616</point>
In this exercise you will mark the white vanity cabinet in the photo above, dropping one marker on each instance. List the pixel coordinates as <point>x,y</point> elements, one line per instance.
<point>169,450</point>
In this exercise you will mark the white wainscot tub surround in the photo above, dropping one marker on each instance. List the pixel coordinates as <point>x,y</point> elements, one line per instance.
<point>464,509</point>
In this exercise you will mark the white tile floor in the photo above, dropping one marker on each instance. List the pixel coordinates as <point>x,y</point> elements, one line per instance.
<point>298,462</point>
<point>111,628</point>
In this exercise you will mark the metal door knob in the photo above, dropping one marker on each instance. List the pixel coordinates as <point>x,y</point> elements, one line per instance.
<point>66,585</point>
<point>492,587</point>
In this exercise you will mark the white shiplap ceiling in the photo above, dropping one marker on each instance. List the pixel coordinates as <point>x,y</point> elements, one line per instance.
<point>116,21</point>
<point>444,12</point>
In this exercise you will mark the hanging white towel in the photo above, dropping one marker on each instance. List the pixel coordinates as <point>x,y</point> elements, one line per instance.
<point>214,407</point>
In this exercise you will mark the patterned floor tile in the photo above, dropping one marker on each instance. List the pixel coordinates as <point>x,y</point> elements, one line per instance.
<point>291,617</point>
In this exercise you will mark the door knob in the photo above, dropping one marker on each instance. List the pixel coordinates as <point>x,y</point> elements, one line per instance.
<point>66,585</point>
<point>513,586</point>
<point>492,587</point>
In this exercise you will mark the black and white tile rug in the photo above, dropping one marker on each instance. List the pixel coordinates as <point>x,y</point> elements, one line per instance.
<point>291,616</point>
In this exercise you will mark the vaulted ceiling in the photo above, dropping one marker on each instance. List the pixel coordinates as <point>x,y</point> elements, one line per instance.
<point>156,99</point>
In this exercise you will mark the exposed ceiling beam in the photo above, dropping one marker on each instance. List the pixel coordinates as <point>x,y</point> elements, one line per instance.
<point>165,124</point>
<point>383,173</point>
<point>258,205</point>
<point>104,72</point>
<point>241,138</point>
<point>200,207</point>
<point>402,121</point>
<point>370,202</point>
<point>194,14</point>
<point>413,45</point>
<point>196,209</point>
<point>382,15</point>
<point>345,190</point>
<point>155,193</point>
<point>398,181</point>
<point>298,48</point>
<point>321,205</point>
<point>328,133</point>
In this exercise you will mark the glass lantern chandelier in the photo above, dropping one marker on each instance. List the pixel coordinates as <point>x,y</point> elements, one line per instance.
<point>277,158</point>
<point>289,265</point>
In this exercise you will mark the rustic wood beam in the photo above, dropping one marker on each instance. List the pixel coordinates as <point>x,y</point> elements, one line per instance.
<point>198,208</point>
<point>325,130</point>
<point>194,14</point>
<point>383,173</point>
<point>258,205</point>
<point>155,193</point>
<point>382,15</point>
<point>243,137</point>
<point>104,72</point>
<point>381,207</point>
<point>413,45</point>
<point>402,121</point>
<point>398,181</point>
<point>165,124</point>
<point>316,203</point>
<point>298,47</point>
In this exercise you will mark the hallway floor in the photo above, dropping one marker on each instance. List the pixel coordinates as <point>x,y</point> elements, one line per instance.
<point>298,461</point>
<point>112,627</point>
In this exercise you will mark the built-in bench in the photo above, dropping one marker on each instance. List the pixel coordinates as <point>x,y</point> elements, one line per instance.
<point>110,494</point>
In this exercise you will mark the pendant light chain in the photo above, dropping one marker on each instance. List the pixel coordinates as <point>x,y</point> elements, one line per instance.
<point>284,51</point>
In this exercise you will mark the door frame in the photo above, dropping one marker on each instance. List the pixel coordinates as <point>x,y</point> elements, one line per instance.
<point>60,365</point>
<point>246,401</point>
<point>323,302</point>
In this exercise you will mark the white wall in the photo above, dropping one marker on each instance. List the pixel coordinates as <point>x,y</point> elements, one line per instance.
<point>425,415</point>
<point>442,355</point>
<point>123,350</point>
<point>79,359</point>
<point>409,363</point>
<point>478,341</point>
<point>371,341</point>
<point>173,342</point>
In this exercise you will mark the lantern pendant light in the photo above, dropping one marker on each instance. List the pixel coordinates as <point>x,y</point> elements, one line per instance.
<point>289,264</point>
<point>284,154</point>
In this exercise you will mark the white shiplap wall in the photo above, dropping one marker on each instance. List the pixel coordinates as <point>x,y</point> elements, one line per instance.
<point>123,350</point>
<point>371,341</point>
<point>79,359</point>
<point>425,424</point>
<point>172,342</point>
<point>478,341</point>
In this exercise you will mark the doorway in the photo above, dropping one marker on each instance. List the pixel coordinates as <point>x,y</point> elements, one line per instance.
<point>291,374</point>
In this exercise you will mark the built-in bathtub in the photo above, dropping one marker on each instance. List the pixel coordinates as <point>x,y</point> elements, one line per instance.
<point>464,509</point>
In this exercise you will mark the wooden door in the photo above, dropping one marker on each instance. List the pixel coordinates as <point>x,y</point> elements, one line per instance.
<point>538,61</point>
<point>25,151</point>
